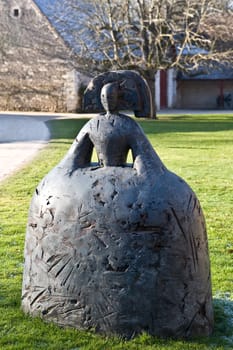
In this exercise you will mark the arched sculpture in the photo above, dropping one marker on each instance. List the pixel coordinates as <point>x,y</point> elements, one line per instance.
<point>116,247</point>
<point>133,93</point>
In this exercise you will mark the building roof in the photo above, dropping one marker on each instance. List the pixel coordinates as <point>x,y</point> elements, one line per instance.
<point>46,4</point>
<point>217,71</point>
<point>57,13</point>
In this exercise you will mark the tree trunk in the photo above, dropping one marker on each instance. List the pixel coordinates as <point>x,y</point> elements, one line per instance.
<point>150,78</point>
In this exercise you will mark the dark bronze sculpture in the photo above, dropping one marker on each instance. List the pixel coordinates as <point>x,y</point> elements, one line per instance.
<point>121,248</point>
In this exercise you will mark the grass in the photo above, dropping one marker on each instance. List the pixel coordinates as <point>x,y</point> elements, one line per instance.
<point>199,149</point>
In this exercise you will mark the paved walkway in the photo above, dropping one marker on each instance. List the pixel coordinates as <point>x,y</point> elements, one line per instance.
<point>22,135</point>
<point>20,139</point>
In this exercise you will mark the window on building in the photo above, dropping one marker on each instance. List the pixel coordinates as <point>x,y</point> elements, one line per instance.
<point>16,12</point>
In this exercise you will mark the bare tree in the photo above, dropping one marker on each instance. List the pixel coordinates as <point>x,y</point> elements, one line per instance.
<point>148,35</point>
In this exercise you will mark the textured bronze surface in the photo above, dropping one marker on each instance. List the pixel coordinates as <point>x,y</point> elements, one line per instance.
<point>121,248</point>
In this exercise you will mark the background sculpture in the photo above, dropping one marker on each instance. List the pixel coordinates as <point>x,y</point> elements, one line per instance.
<point>121,248</point>
<point>133,93</point>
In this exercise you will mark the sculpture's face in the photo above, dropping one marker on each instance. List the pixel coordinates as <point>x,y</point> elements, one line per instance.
<point>109,97</point>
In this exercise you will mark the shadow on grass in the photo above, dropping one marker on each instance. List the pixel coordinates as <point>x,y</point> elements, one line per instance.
<point>69,128</point>
<point>185,126</point>
<point>199,117</point>
<point>65,128</point>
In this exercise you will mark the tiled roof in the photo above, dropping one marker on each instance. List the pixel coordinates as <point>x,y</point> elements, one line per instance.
<point>215,72</point>
<point>57,13</point>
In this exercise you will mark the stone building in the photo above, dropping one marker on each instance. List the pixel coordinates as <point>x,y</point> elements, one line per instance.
<point>37,69</point>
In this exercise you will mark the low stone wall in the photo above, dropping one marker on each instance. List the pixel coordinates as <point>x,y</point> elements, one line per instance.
<point>29,86</point>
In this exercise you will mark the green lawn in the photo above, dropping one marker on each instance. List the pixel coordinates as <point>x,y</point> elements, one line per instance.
<point>199,149</point>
